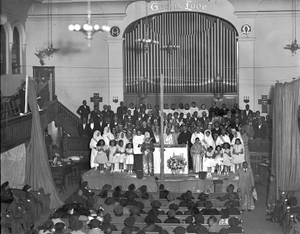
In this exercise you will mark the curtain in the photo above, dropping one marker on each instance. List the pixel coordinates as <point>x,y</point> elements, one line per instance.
<point>38,173</point>
<point>13,166</point>
<point>286,135</point>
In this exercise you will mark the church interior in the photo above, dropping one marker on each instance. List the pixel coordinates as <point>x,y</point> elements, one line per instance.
<point>208,57</point>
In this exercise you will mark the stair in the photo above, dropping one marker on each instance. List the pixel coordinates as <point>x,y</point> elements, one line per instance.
<point>67,120</point>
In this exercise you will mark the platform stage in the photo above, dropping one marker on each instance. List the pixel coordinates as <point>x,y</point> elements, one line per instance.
<point>180,183</point>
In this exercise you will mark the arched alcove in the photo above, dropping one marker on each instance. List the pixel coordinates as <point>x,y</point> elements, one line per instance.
<point>202,55</point>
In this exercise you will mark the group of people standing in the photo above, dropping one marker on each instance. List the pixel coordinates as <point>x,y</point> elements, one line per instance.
<point>217,138</point>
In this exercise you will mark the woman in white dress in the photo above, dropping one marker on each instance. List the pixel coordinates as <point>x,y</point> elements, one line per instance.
<point>238,154</point>
<point>107,136</point>
<point>208,141</point>
<point>93,144</point>
<point>197,153</point>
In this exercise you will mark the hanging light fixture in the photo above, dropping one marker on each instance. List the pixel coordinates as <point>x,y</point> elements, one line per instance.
<point>41,52</point>
<point>88,28</point>
<point>147,41</point>
<point>294,46</point>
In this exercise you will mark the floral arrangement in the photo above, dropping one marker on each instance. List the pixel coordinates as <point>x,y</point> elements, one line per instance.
<point>177,162</point>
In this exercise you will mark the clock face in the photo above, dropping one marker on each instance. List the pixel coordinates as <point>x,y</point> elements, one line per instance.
<point>246,29</point>
<point>115,31</point>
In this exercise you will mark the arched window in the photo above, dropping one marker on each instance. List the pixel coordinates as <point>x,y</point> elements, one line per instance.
<point>15,53</point>
<point>3,50</point>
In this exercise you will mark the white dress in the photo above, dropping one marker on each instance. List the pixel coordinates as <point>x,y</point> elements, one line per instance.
<point>227,160</point>
<point>129,158</point>
<point>111,154</point>
<point>208,160</point>
<point>93,145</point>
<point>120,155</point>
<point>101,157</point>
<point>238,158</point>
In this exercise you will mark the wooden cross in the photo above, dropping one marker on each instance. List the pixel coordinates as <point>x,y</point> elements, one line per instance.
<point>264,102</point>
<point>96,99</point>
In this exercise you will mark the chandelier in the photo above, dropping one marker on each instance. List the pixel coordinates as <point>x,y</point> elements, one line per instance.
<point>293,46</point>
<point>147,41</point>
<point>41,52</point>
<point>88,29</point>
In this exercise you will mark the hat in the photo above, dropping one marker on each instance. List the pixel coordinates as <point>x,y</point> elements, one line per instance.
<point>123,202</point>
<point>131,187</point>
<point>84,184</point>
<point>94,223</point>
<point>109,201</point>
<point>233,222</point>
<point>199,218</point>
<point>208,204</point>
<point>141,232</point>
<point>147,135</point>
<point>48,225</point>
<point>163,231</point>
<point>126,230</point>
<point>189,219</point>
<point>76,225</point>
<point>59,226</point>
<point>171,213</point>
<point>106,218</point>
<point>179,230</point>
<point>202,196</point>
<point>135,210</point>
<point>26,187</point>
<point>118,210</point>
<point>173,206</point>
<point>106,187</point>
<point>156,204</point>
<point>292,201</point>
<point>171,197</point>
<point>129,221</point>
<point>5,184</point>
<point>224,213</point>
<point>143,188</point>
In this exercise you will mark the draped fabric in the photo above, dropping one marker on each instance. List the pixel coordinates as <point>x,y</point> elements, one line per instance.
<point>38,173</point>
<point>286,135</point>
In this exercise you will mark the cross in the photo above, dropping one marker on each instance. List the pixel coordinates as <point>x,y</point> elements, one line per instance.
<point>96,99</point>
<point>264,102</point>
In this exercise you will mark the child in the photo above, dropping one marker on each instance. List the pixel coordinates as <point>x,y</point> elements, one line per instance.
<point>238,156</point>
<point>129,157</point>
<point>227,164</point>
<point>111,155</point>
<point>218,156</point>
<point>213,225</point>
<point>271,195</point>
<point>120,155</point>
<point>208,161</point>
<point>101,157</point>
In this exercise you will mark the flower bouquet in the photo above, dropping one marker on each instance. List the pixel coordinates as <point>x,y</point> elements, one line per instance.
<point>176,163</point>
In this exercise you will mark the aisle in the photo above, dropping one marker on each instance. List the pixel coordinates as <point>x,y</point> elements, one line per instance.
<point>255,221</point>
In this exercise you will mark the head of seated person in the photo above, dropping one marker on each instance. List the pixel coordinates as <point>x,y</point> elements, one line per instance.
<point>145,196</point>
<point>199,218</point>
<point>118,210</point>
<point>208,204</point>
<point>202,197</point>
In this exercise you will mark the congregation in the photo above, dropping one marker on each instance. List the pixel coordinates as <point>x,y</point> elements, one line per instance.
<point>217,138</point>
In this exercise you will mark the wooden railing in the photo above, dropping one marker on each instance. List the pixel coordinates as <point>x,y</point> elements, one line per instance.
<point>17,130</point>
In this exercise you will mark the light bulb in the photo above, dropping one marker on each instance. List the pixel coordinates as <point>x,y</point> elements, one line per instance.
<point>96,27</point>
<point>86,27</point>
<point>105,28</point>
<point>71,27</point>
<point>77,27</point>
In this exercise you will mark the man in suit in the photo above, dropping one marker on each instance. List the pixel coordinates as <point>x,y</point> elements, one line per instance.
<point>102,124</point>
<point>92,127</point>
<point>121,110</point>
<point>22,98</point>
<point>95,114</point>
<point>203,118</point>
<point>83,129</point>
<point>223,111</point>
<point>247,111</point>
<point>245,184</point>
<point>260,130</point>
<point>214,108</point>
<point>48,142</point>
<point>84,110</point>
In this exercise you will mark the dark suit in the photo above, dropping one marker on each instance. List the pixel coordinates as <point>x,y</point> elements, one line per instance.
<point>223,111</point>
<point>260,131</point>
<point>249,112</point>
<point>22,100</point>
<point>101,126</point>
<point>83,130</point>
<point>92,129</point>
<point>213,109</point>
<point>120,111</point>
<point>95,115</point>
<point>84,111</point>
<point>202,119</point>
